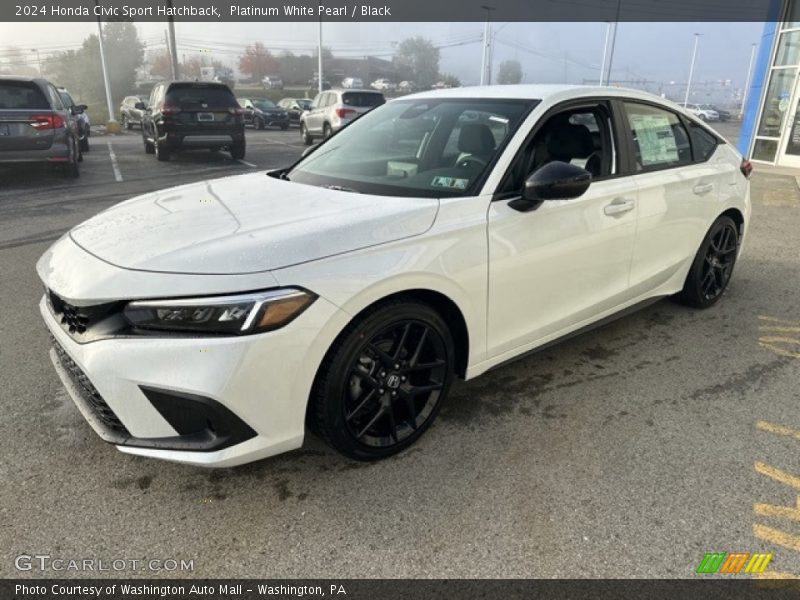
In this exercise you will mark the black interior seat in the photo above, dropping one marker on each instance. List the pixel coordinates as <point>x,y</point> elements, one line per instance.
<point>475,140</point>
<point>568,142</point>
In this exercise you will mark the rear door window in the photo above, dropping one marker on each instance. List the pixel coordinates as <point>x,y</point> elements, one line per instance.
<point>660,140</point>
<point>362,99</point>
<point>196,95</point>
<point>22,95</point>
<point>703,141</point>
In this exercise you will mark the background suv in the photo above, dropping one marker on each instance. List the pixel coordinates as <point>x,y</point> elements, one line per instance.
<point>79,112</point>
<point>193,114</point>
<point>35,126</point>
<point>131,111</point>
<point>352,83</point>
<point>702,111</point>
<point>330,111</point>
<point>260,112</point>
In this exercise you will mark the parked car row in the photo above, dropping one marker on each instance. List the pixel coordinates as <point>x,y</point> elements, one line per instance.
<point>40,123</point>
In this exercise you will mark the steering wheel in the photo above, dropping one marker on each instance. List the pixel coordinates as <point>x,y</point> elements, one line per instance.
<point>465,162</point>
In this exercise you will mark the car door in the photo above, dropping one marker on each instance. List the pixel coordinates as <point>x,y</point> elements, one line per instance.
<point>314,118</point>
<point>566,263</point>
<point>678,188</point>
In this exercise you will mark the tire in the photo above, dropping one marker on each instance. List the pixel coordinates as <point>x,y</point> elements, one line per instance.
<point>126,123</point>
<point>307,139</point>
<point>238,150</point>
<point>363,402</point>
<point>148,147</point>
<point>259,124</point>
<point>71,170</point>
<point>326,131</point>
<point>163,153</point>
<point>84,144</point>
<point>713,265</point>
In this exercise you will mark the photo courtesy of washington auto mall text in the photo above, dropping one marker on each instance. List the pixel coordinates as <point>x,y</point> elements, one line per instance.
<point>431,299</point>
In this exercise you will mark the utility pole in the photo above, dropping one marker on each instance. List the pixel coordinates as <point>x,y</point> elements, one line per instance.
<point>169,55</point>
<point>605,53</point>
<point>746,90</point>
<point>38,60</point>
<point>691,69</point>
<point>111,126</point>
<point>487,42</point>
<point>172,45</point>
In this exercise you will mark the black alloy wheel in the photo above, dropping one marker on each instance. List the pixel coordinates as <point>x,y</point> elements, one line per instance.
<point>382,385</point>
<point>713,265</point>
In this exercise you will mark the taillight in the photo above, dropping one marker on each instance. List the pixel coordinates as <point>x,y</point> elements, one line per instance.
<point>169,110</point>
<point>344,113</point>
<point>50,121</point>
<point>746,168</point>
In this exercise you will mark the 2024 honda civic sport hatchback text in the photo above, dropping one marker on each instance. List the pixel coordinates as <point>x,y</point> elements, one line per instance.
<point>438,235</point>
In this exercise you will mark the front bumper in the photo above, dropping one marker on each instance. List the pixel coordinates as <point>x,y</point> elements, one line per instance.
<point>211,401</point>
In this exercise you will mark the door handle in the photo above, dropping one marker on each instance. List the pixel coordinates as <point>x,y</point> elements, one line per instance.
<point>703,188</point>
<point>618,206</point>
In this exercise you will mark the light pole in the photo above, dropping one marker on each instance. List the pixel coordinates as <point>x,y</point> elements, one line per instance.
<point>112,126</point>
<point>319,51</point>
<point>486,44</point>
<point>747,80</point>
<point>172,46</point>
<point>605,53</point>
<point>691,69</point>
<point>38,61</point>
<point>613,42</point>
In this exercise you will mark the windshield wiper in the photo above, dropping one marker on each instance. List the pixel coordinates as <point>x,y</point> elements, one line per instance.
<point>340,188</point>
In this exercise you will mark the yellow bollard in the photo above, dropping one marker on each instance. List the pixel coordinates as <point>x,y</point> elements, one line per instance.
<point>113,127</point>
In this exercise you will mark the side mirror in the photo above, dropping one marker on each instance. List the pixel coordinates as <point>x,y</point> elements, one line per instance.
<point>554,181</point>
<point>79,108</point>
<point>139,106</point>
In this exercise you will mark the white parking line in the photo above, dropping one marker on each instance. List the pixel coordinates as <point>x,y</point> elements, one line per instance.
<point>114,165</point>
<point>247,164</point>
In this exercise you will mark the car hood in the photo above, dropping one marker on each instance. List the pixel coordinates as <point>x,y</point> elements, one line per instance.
<point>246,224</point>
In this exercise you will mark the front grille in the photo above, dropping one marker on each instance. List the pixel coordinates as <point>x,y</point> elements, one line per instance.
<point>81,321</point>
<point>88,392</point>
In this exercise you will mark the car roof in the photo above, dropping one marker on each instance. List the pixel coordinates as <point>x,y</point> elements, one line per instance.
<point>544,92</point>
<point>38,80</point>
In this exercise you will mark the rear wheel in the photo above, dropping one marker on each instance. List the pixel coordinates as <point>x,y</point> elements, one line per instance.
<point>326,131</point>
<point>383,381</point>
<point>307,139</point>
<point>84,145</point>
<point>126,123</point>
<point>149,148</point>
<point>713,265</point>
<point>162,152</point>
<point>238,150</point>
<point>71,170</point>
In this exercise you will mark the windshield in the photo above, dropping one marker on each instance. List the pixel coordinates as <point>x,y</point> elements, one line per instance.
<point>263,104</point>
<point>200,95</point>
<point>304,103</point>
<point>66,99</point>
<point>420,148</point>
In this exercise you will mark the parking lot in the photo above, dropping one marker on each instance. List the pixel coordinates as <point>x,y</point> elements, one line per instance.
<point>629,451</point>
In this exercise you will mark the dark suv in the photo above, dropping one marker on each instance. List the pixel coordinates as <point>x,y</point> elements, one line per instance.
<point>35,126</point>
<point>185,115</point>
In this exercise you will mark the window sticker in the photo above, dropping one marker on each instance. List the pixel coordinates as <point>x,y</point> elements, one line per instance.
<point>454,183</point>
<point>656,139</point>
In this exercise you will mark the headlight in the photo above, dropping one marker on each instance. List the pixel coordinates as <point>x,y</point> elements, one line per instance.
<point>234,315</point>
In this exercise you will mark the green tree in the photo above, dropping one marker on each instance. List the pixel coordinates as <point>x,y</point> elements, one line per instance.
<point>81,71</point>
<point>509,71</point>
<point>417,60</point>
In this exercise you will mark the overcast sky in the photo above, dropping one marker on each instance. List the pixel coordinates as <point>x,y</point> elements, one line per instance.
<point>549,52</point>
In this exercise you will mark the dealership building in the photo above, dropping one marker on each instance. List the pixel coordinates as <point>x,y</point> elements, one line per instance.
<point>771,121</point>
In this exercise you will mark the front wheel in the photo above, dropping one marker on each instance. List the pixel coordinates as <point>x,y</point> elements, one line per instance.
<point>713,265</point>
<point>383,381</point>
<point>307,139</point>
<point>259,124</point>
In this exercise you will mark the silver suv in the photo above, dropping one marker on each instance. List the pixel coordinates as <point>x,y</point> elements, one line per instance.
<point>332,110</point>
<point>36,126</point>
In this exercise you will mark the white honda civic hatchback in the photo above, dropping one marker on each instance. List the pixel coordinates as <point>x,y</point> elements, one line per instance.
<point>439,235</point>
